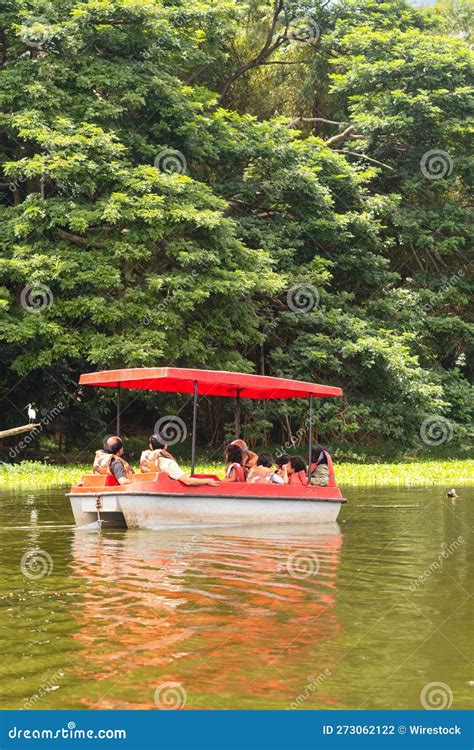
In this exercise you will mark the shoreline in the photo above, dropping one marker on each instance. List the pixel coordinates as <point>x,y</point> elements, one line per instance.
<point>436,473</point>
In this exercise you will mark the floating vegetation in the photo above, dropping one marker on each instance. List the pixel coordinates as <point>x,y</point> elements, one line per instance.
<point>446,473</point>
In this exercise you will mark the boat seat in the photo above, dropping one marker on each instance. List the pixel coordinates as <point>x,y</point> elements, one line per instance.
<point>94,480</point>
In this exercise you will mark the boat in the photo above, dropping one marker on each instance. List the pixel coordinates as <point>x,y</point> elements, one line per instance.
<point>153,500</point>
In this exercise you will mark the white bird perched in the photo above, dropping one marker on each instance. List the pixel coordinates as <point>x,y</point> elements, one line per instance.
<point>31,412</point>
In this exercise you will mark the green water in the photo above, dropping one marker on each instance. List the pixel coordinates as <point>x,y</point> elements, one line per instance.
<point>307,617</point>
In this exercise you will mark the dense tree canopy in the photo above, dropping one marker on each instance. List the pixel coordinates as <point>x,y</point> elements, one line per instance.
<point>272,186</point>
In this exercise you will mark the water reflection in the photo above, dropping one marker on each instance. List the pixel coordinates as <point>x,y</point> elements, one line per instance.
<point>247,611</point>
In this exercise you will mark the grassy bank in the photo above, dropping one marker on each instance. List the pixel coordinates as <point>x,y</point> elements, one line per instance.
<point>447,474</point>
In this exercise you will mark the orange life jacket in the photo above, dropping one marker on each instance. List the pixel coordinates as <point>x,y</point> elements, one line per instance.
<point>102,461</point>
<point>298,477</point>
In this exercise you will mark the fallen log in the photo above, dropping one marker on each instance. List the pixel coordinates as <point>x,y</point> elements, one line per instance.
<point>18,430</point>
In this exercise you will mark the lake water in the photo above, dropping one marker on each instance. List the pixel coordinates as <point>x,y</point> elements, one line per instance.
<point>366,613</point>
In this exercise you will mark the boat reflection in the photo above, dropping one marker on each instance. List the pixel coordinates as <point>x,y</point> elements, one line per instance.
<point>231,614</point>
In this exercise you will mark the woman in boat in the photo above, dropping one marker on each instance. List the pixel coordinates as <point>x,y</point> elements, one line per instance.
<point>262,472</point>
<point>249,458</point>
<point>109,460</point>
<point>168,465</point>
<point>234,471</point>
<point>149,457</point>
<point>320,460</point>
<point>296,471</point>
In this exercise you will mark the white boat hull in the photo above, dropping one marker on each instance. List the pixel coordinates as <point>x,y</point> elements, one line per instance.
<point>155,511</point>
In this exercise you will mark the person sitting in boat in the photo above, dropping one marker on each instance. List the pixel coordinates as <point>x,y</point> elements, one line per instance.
<point>280,473</point>
<point>149,457</point>
<point>320,461</point>
<point>296,472</point>
<point>168,465</point>
<point>249,458</point>
<point>263,472</point>
<point>235,471</point>
<point>109,460</point>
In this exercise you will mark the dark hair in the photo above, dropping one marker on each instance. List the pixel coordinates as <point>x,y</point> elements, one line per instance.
<point>264,459</point>
<point>282,459</point>
<point>233,454</point>
<point>316,452</point>
<point>297,463</point>
<point>112,444</point>
<point>156,442</point>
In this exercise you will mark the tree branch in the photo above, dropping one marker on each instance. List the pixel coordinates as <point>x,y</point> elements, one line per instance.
<point>269,46</point>
<point>364,156</point>
<point>315,119</point>
<point>341,137</point>
<point>77,240</point>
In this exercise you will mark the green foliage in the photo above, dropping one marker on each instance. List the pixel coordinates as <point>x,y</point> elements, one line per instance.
<point>162,203</point>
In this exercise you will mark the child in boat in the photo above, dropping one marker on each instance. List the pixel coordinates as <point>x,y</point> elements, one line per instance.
<point>319,466</point>
<point>234,471</point>
<point>280,476</point>
<point>249,458</point>
<point>262,473</point>
<point>296,471</point>
<point>149,457</point>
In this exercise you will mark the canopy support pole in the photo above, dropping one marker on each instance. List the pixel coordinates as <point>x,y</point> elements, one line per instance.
<point>310,436</point>
<point>193,437</point>
<point>118,409</point>
<point>237,414</point>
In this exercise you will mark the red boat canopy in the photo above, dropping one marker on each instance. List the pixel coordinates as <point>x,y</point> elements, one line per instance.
<point>210,383</point>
